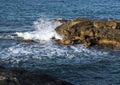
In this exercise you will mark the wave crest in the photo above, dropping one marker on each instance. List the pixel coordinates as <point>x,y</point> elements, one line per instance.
<point>44,30</point>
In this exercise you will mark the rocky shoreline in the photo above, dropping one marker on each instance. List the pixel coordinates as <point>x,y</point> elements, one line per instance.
<point>16,76</point>
<point>105,33</point>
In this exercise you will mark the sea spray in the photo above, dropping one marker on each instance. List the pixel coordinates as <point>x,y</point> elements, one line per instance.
<point>44,30</point>
<point>25,54</point>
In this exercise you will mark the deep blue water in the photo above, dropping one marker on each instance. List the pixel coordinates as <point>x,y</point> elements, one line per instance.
<point>33,19</point>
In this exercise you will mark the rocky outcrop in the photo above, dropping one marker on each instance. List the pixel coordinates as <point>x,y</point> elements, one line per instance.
<point>90,32</point>
<point>22,77</point>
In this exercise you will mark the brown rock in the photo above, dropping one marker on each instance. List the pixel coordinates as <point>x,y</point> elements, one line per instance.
<point>111,24</point>
<point>109,43</point>
<point>67,42</point>
<point>82,30</point>
<point>26,41</point>
<point>99,24</point>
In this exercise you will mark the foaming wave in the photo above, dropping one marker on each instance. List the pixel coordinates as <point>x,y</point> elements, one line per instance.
<point>44,30</point>
<point>48,53</point>
<point>6,36</point>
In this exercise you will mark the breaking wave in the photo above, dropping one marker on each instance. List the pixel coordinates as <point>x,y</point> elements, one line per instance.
<point>41,54</point>
<point>44,30</point>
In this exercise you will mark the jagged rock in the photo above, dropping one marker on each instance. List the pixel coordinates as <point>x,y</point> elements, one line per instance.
<point>90,32</point>
<point>16,76</point>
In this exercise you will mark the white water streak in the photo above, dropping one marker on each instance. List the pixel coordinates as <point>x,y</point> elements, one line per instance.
<point>44,30</point>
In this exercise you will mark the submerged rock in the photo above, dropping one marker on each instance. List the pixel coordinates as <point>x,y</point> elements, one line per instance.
<point>90,32</point>
<point>26,41</point>
<point>23,77</point>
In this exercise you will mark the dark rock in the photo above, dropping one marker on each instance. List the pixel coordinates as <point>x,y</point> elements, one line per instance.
<point>26,41</point>
<point>90,32</point>
<point>118,24</point>
<point>22,77</point>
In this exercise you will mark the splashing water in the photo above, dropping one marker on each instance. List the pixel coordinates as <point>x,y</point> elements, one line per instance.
<point>76,64</point>
<point>44,30</point>
<point>48,52</point>
<point>51,57</point>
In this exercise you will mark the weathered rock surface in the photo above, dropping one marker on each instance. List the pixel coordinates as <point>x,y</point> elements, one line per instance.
<point>22,77</point>
<point>90,32</point>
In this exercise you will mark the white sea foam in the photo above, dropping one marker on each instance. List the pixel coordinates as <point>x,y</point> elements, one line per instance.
<point>44,30</point>
<point>44,53</point>
<point>48,52</point>
<point>6,36</point>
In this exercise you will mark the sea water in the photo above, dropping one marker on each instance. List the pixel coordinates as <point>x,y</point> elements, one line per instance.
<point>34,20</point>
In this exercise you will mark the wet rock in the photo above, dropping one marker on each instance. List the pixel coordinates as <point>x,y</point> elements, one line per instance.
<point>67,42</point>
<point>4,80</point>
<point>59,21</point>
<point>26,41</point>
<point>90,32</point>
<point>21,77</point>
